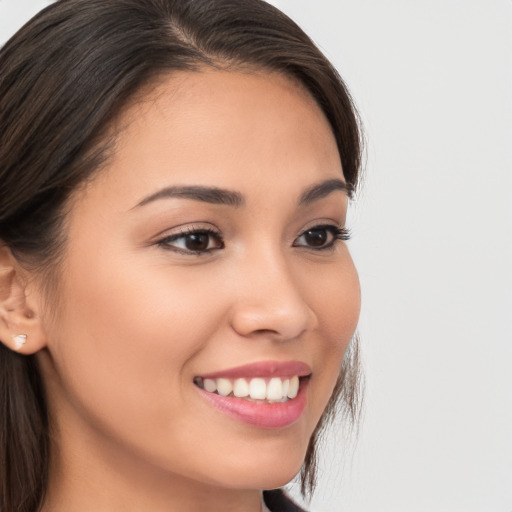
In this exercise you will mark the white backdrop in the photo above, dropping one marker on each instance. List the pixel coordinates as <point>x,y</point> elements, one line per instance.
<point>433,242</point>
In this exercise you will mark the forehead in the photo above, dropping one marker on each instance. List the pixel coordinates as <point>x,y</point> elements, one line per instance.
<point>236,129</point>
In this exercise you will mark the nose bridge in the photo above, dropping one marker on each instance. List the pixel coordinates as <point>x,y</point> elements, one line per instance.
<point>270,299</point>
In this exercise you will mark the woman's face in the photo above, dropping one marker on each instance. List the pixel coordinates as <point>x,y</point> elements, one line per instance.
<point>207,254</point>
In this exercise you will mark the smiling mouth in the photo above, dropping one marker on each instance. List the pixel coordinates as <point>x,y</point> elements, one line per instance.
<point>256,389</point>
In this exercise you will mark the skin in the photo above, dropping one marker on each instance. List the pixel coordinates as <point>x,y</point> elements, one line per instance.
<point>139,320</point>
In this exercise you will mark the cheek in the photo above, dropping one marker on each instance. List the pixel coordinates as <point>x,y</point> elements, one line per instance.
<point>337,306</point>
<point>124,339</point>
<point>116,299</point>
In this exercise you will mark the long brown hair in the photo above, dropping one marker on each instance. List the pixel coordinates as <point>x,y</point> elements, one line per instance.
<point>64,77</point>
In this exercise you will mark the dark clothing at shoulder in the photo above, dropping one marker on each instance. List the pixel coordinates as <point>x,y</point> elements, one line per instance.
<point>277,501</point>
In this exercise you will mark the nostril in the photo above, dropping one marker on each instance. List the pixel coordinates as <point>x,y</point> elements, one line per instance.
<point>280,310</point>
<point>283,323</point>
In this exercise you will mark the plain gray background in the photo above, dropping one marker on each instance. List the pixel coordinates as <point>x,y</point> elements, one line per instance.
<point>432,230</point>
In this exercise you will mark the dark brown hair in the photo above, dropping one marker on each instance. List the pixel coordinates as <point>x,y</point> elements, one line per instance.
<point>64,77</point>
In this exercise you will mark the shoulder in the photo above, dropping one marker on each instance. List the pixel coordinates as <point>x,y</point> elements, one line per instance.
<point>277,501</point>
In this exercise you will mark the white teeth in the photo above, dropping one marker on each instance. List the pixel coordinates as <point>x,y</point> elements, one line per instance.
<point>286,387</point>
<point>294,387</point>
<point>275,389</point>
<point>224,387</point>
<point>210,385</point>
<point>258,389</point>
<point>240,388</point>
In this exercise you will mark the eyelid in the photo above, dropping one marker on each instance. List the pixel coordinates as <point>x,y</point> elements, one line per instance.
<point>165,240</point>
<point>338,233</point>
<point>185,229</point>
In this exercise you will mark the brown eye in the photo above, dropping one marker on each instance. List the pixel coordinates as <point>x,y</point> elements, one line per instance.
<point>197,241</point>
<point>316,237</point>
<point>193,242</point>
<point>321,237</point>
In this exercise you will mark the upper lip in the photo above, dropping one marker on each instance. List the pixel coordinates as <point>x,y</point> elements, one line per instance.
<point>263,369</point>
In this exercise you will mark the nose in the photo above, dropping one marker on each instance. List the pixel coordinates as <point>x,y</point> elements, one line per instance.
<point>271,301</point>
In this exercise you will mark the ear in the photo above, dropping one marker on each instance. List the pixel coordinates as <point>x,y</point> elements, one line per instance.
<point>20,322</point>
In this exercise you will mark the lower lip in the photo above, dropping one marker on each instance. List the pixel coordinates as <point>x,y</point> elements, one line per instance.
<point>261,414</point>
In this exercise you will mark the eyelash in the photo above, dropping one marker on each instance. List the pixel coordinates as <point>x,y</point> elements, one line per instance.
<point>336,232</point>
<point>187,232</point>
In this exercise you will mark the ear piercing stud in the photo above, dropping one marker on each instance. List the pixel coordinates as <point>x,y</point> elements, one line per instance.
<point>19,340</point>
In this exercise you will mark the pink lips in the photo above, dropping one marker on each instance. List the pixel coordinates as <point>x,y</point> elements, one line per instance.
<point>262,414</point>
<point>263,369</point>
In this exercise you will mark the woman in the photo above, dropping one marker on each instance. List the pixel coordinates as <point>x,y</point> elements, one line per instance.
<point>177,297</point>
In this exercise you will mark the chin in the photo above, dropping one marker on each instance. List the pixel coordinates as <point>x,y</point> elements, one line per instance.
<point>263,472</point>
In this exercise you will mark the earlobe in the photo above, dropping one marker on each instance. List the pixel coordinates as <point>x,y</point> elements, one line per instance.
<point>19,340</point>
<point>20,324</point>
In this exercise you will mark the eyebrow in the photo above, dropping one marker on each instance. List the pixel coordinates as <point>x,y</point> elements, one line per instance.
<point>323,189</point>
<point>214,195</point>
<point>211,195</point>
